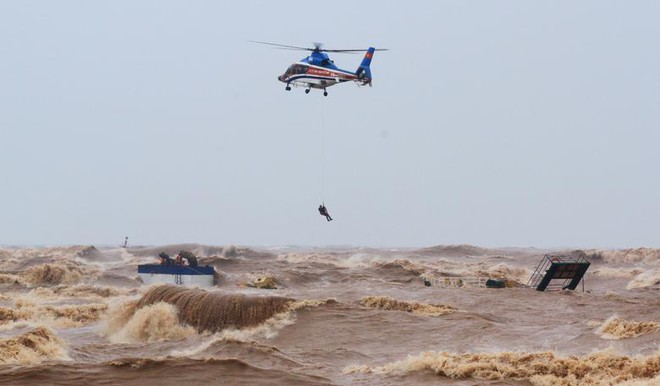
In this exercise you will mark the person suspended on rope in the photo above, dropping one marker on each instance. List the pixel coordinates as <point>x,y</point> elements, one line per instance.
<point>324,212</point>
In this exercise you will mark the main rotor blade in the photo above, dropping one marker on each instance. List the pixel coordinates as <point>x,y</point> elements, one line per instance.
<point>283,46</point>
<point>317,47</point>
<point>353,51</point>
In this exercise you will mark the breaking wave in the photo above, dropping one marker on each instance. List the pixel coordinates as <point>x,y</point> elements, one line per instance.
<point>615,328</point>
<point>214,311</point>
<point>270,326</point>
<point>154,322</point>
<point>389,304</point>
<point>32,347</point>
<point>541,369</point>
<point>168,312</point>
<point>267,330</point>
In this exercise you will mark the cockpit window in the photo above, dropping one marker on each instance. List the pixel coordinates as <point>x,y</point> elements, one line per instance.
<point>296,69</point>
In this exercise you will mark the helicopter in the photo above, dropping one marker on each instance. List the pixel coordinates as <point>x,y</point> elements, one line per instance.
<point>318,71</point>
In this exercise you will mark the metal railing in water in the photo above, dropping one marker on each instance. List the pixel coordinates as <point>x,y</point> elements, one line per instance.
<point>456,281</point>
<point>558,272</point>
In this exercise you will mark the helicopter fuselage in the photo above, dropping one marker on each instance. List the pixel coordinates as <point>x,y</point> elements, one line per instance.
<point>312,76</point>
<point>319,71</point>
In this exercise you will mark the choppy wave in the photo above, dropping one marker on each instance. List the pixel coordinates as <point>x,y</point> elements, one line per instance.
<point>631,255</point>
<point>64,316</point>
<point>389,304</point>
<point>32,347</point>
<point>20,259</point>
<point>645,382</point>
<point>645,280</point>
<point>514,276</point>
<point>615,328</point>
<point>402,265</point>
<point>456,250</point>
<point>79,291</point>
<point>54,274</point>
<point>203,251</point>
<point>228,371</point>
<point>8,278</point>
<point>159,371</point>
<point>617,272</point>
<point>542,369</point>
<point>327,258</point>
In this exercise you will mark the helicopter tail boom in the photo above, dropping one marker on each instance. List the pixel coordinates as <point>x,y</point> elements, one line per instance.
<point>364,72</point>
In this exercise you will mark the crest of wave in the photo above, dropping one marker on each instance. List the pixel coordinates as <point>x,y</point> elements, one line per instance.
<point>212,310</point>
<point>268,329</point>
<point>405,264</point>
<point>615,328</point>
<point>154,322</point>
<point>632,255</point>
<point>541,369</point>
<point>389,304</point>
<point>58,273</point>
<point>141,320</point>
<point>645,280</point>
<point>32,347</point>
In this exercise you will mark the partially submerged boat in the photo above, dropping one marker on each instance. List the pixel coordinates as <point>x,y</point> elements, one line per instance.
<point>176,271</point>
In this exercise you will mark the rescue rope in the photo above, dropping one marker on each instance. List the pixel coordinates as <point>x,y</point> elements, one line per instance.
<point>322,129</point>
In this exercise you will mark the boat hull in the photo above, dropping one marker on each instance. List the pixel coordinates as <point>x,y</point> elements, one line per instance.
<point>176,274</point>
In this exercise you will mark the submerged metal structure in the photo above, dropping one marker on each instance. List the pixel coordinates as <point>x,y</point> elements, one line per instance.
<point>559,272</point>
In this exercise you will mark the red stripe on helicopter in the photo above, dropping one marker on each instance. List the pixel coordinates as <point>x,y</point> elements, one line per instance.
<point>319,72</point>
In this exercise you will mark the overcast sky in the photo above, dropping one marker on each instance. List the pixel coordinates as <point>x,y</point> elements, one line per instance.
<point>496,123</point>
